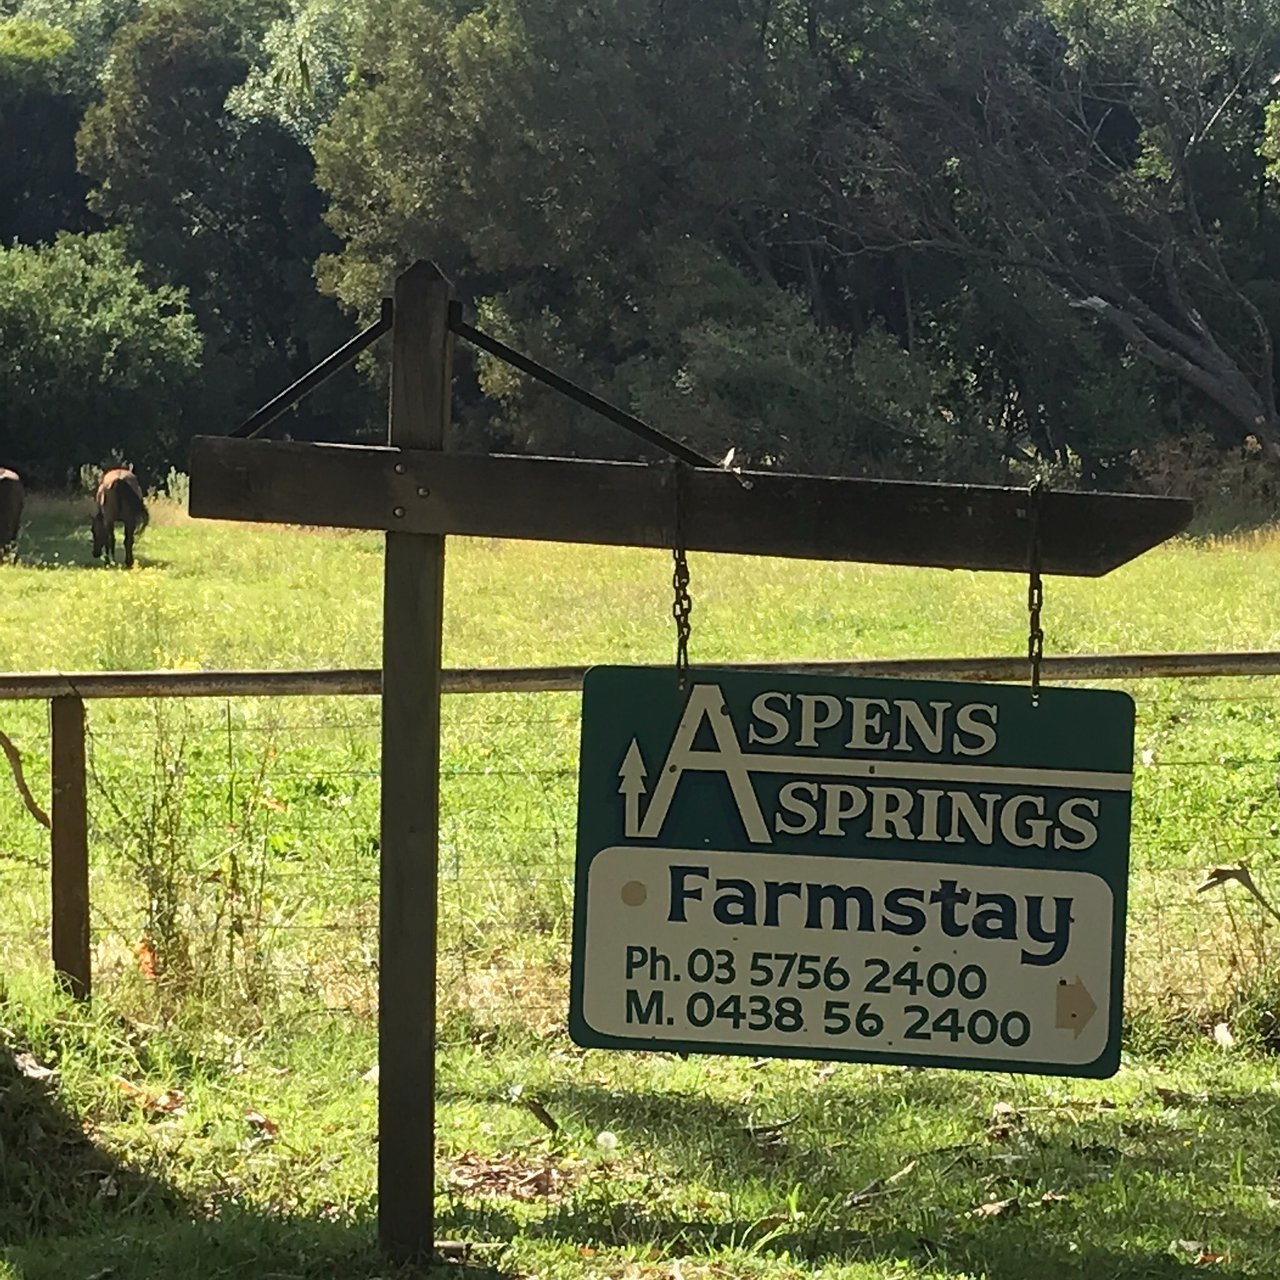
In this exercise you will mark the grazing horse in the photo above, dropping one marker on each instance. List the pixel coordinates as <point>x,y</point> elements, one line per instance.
<point>119,499</point>
<point>11,500</point>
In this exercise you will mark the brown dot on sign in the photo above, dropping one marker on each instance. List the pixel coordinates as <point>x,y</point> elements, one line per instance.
<point>634,893</point>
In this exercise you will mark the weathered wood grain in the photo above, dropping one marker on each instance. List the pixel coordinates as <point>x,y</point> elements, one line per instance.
<point>413,618</point>
<point>633,504</point>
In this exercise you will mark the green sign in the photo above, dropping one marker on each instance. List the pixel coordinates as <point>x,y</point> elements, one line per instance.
<point>863,870</point>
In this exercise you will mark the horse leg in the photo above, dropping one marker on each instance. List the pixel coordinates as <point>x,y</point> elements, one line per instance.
<point>110,557</point>
<point>128,544</point>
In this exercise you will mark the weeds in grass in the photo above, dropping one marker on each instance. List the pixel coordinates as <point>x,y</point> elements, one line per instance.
<point>239,841</point>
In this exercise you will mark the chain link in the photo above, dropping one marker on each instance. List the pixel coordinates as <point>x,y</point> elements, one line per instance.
<point>1035,588</point>
<point>682,602</point>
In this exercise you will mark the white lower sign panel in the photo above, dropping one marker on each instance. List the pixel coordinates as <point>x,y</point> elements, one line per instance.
<point>850,958</point>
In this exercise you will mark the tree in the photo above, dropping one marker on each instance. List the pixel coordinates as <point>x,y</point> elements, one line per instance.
<point>622,188</point>
<point>42,193</point>
<point>1115,157</point>
<point>93,362</point>
<point>302,73</point>
<point>222,206</point>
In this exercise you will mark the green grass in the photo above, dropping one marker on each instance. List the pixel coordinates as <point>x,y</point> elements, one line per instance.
<point>234,849</point>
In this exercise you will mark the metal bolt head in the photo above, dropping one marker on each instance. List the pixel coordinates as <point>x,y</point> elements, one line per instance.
<point>398,512</point>
<point>400,468</point>
<point>423,491</point>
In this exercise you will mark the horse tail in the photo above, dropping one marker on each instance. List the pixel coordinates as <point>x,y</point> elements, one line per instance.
<point>130,498</point>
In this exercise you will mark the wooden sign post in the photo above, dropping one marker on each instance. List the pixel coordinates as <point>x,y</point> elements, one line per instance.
<point>412,624</point>
<point>417,494</point>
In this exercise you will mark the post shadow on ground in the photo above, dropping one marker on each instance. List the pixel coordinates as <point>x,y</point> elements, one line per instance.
<point>70,1208</point>
<point>67,1207</point>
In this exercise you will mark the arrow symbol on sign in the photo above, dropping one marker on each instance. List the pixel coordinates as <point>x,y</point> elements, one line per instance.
<point>633,774</point>
<point>1075,1006</point>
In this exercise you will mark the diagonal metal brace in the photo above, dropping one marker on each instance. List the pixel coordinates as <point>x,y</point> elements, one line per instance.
<point>309,381</point>
<point>627,421</point>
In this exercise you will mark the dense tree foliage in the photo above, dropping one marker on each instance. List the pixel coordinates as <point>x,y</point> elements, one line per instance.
<point>222,205</point>
<point>42,193</point>
<point>94,364</point>
<point>944,238</point>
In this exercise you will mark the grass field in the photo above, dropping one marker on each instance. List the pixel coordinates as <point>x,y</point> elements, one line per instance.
<point>213,1113</point>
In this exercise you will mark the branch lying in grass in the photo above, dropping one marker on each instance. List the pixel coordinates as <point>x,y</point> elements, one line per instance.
<point>1220,875</point>
<point>15,763</point>
<point>878,1187</point>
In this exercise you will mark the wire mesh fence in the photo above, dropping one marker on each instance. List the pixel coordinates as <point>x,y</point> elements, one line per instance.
<point>234,849</point>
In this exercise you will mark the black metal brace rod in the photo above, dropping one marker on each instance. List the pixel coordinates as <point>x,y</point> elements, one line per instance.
<point>627,421</point>
<point>321,373</point>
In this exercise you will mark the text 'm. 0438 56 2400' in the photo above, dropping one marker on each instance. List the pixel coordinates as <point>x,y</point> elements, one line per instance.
<point>856,869</point>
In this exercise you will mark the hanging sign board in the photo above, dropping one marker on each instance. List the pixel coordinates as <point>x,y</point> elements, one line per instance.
<point>855,869</point>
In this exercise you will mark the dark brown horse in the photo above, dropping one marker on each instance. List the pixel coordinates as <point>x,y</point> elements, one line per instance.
<point>12,497</point>
<point>119,501</point>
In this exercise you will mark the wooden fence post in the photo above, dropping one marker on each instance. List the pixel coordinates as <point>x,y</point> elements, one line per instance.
<point>413,612</point>
<point>69,866</point>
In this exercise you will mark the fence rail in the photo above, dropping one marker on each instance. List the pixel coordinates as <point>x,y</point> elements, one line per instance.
<point>568,679</point>
<point>67,693</point>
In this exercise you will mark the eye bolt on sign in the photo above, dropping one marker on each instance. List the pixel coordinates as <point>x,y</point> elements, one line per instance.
<point>862,870</point>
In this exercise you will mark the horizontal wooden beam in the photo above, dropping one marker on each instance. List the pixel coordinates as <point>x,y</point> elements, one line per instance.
<point>366,681</point>
<point>634,504</point>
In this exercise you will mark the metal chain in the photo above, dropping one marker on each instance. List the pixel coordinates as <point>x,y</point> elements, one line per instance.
<point>682,603</point>
<point>1035,587</point>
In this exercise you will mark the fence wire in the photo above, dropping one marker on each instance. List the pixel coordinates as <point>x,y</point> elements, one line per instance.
<point>234,849</point>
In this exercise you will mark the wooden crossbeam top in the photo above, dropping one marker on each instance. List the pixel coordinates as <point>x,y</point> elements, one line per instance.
<point>634,504</point>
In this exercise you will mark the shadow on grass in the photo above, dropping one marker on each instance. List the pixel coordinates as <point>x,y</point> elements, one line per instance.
<point>1004,1253</point>
<point>55,533</point>
<point>1131,1194</point>
<point>69,1208</point>
<point>56,536</point>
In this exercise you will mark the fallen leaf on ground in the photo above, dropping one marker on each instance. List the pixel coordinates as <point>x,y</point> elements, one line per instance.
<point>148,960</point>
<point>1053,1197</point>
<point>260,1124</point>
<point>515,1176</point>
<point>170,1103</point>
<point>996,1208</point>
<point>32,1067</point>
<point>1222,1036</point>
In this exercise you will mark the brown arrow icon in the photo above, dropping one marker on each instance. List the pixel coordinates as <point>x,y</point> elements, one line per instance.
<point>1075,1006</point>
